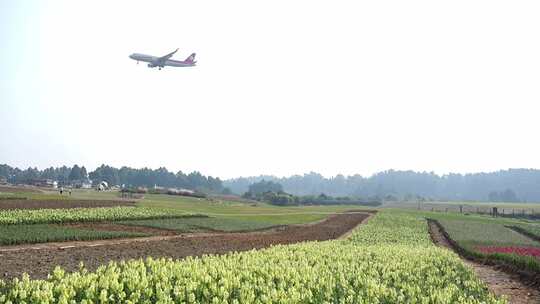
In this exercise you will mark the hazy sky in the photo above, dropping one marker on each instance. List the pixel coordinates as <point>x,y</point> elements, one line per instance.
<point>281,87</point>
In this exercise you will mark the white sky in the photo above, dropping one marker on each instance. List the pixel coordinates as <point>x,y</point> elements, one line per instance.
<point>281,87</point>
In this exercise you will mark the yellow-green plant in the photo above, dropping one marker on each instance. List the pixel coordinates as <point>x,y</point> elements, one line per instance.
<point>389,260</point>
<point>41,216</point>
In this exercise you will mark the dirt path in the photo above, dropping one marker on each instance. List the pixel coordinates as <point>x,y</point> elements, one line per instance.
<point>15,260</point>
<point>498,281</point>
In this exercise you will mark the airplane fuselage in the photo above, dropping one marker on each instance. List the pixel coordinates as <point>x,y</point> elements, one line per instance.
<point>161,62</point>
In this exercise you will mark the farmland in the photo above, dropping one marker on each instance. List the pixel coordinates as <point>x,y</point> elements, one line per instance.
<point>14,204</point>
<point>494,240</point>
<point>194,224</point>
<point>20,234</point>
<point>508,209</point>
<point>33,214</point>
<point>533,230</point>
<point>476,233</point>
<point>15,262</point>
<point>362,268</point>
<point>522,251</point>
<point>276,152</point>
<point>42,216</point>
<point>197,250</point>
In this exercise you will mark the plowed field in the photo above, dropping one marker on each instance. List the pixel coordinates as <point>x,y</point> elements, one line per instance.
<point>38,263</point>
<point>13,204</point>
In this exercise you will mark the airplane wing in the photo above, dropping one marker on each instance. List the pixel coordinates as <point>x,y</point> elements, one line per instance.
<point>166,57</point>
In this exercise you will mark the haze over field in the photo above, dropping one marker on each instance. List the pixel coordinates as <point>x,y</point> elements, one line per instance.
<point>281,87</point>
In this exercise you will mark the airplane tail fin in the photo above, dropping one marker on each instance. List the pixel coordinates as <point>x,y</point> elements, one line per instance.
<point>191,58</point>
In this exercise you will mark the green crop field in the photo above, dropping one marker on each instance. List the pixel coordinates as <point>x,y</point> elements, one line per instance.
<point>480,229</point>
<point>158,211</point>
<point>262,212</point>
<point>389,260</point>
<point>41,216</point>
<point>259,212</point>
<point>532,228</point>
<point>41,233</point>
<point>474,233</point>
<point>470,207</point>
<point>194,224</point>
<point>423,205</point>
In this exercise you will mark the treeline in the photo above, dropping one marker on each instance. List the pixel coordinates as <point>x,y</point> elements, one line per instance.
<point>63,175</point>
<point>271,192</point>
<point>129,177</point>
<point>146,177</point>
<point>521,185</point>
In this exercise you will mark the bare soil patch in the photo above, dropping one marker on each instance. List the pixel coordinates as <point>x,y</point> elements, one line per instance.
<point>59,204</point>
<point>499,282</point>
<point>38,263</point>
<point>123,228</point>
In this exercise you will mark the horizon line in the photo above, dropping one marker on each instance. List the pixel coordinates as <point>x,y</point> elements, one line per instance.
<point>285,176</point>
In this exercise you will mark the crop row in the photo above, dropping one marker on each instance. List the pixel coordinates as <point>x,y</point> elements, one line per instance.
<point>472,233</point>
<point>389,260</point>
<point>42,216</point>
<point>393,228</point>
<point>41,233</point>
<point>524,251</point>
<point>201,223</point>
<point>532,230</point>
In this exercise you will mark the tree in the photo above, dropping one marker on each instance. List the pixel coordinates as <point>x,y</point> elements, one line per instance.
<point>280,199</point>
<point>84,174</point>
<point>453,187</point>
<point>75,173</point>
<point>323,197</point>
<point>265,186</point>
<point>105,173</point>
<point>146,177</point>
<point>30,173</point>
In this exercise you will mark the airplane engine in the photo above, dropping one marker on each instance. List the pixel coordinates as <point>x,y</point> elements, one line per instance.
<point>151,65</point>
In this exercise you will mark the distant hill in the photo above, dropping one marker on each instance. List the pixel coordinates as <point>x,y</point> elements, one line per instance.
<point>505,185</point>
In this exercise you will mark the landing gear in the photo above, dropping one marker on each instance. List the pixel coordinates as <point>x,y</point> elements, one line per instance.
<point>159,68</point>
<point>137,62</point>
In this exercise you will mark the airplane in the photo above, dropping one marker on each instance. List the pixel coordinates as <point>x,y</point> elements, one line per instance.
<point>163,61</point>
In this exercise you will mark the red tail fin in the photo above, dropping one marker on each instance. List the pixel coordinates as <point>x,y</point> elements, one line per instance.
<point>191,58</point>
